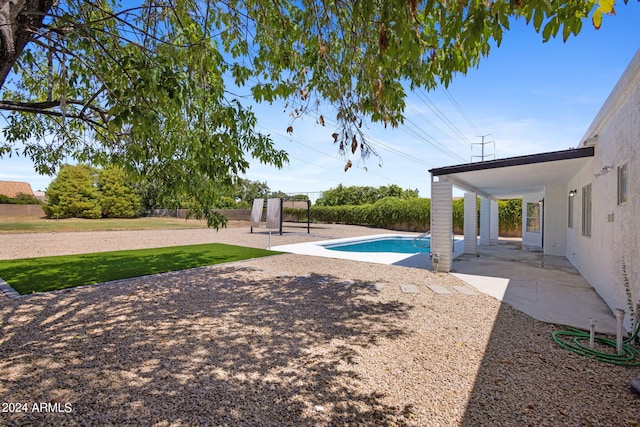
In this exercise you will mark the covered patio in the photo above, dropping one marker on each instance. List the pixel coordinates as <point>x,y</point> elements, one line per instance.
<point>532,274</point>
<point>539,179</point>
<point>546,287</point>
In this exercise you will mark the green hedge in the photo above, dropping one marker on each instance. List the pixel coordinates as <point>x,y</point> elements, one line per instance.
<point>457,212</point>
<point>392,211</point>
<point>510,214</point>
<point>20,199</point>
<point>388,212</point>
<point>415,213</point>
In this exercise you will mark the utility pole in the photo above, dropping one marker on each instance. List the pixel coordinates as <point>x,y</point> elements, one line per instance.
<point>483,143</point>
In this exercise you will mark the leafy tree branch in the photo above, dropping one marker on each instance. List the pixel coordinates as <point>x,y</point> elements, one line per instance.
<point>146,86</point>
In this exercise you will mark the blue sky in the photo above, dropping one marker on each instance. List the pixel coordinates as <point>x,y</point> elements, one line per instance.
<point>529,96</point>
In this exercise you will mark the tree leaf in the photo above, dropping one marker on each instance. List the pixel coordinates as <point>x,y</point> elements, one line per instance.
<point>538,16</point>
<point>606,6</point>
<point>566,32</point>
<point>597,19</point>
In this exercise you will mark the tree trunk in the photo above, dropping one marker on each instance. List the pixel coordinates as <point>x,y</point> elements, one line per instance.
<point>20,21</point>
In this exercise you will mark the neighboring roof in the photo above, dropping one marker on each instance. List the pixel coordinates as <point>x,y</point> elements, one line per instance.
<point>515,176</point>
<point>12,189</point>
<point>40,195</point>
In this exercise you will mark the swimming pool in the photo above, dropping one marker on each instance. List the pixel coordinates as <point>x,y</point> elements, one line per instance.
<point>344,249</point>
<point>394,244</point>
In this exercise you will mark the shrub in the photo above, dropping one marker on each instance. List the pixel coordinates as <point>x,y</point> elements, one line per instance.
<point>20,199</point>
<point>84,192</point>
<point>73,193</point>
<point>117,199</point>
<point>510,214</point>
<point>26,199</point>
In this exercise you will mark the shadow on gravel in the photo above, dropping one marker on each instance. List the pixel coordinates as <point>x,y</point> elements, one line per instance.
<point>221,348</point>
<point>525,379</point>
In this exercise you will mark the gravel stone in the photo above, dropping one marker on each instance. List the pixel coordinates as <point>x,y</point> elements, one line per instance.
<point>234,345</point>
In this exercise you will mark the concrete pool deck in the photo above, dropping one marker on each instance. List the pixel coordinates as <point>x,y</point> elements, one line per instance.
<point>547,288</point>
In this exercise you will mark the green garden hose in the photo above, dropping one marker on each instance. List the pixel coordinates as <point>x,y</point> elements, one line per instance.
<point>574,338</point>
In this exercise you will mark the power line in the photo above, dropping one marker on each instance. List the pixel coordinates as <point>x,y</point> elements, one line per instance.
<point>461,111</point>
<point>376,143</point>
<point>379,144</point>
<point>433,143</point>
<point>428,138</point>
<point>398,153</point>
<point>420,94</point>
<point>426,119</point>
<point>392,181</point>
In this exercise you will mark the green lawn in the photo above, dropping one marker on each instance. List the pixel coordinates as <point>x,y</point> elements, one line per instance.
<point>41,225</point>
<point>43,274</point>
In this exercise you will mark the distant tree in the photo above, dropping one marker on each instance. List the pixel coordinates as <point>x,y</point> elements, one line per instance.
<point>394,190</point>
<point>118,199</point>
<point>73,193</point>
<point>150,194</point>
<point>278,194</point>
<point>246,190</point>
<point>340,196</point>
<point>360,195</point>
<point>227,202</point>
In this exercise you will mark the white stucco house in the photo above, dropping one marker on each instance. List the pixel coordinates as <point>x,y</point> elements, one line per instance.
<point>581,203</point>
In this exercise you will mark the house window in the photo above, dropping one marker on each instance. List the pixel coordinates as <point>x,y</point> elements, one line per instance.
<point>622,184</point>
<point>533,217</point>
<point>586,210</point>
<point>570,211</point>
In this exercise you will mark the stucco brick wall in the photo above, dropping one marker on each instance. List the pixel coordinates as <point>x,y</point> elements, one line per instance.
<point>615,229</point>
<point>21,210</point>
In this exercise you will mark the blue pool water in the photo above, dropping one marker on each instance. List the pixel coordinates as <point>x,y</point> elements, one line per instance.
<point>400,245</point>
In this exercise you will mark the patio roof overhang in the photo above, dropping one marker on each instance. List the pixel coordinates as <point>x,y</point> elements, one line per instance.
<point>514,176</point>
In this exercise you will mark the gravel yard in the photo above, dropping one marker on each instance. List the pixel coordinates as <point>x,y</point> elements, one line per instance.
<point>285,340</point>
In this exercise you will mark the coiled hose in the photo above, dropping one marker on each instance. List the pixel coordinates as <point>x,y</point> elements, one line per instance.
<point>574,338</point>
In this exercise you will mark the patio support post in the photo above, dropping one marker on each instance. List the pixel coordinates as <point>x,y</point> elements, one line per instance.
<point>442,224</point>
<point>470,223</point>
<point>495,223</point>
<point>485,221</point>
